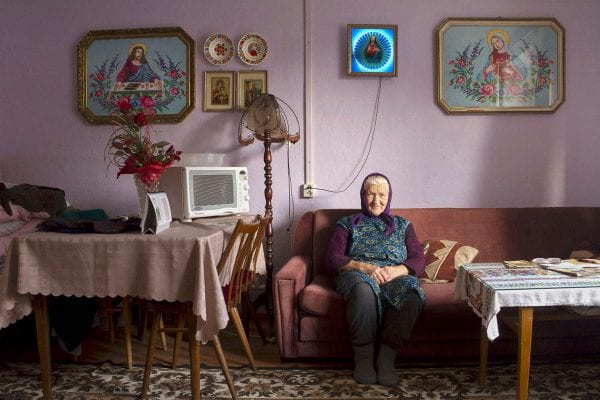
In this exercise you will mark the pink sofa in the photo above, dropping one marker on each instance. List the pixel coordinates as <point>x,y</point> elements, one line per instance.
<point>310,315</point>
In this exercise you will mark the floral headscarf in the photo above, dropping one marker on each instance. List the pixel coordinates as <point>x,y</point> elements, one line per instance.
<point>364,206</point>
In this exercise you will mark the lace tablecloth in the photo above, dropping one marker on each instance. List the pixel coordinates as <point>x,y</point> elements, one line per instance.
<point>178,264</point>
<point>490,286</point>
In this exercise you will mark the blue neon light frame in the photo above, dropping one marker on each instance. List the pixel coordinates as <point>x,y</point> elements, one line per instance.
<point>372,50</point>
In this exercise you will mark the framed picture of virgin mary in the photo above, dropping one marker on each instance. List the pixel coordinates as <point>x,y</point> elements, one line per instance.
<point>153,67</point>
<point>372,50</point>
<point>500,65</point>
<point>218,91</point>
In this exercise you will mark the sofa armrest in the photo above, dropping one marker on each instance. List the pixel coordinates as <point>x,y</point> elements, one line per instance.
<point>298,269</point>
<point>288,282</point>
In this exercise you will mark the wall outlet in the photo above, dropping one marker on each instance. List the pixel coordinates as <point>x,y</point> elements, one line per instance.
<point>307,191</point>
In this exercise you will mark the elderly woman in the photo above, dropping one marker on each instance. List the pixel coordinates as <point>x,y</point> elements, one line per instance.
<point>378,259</point>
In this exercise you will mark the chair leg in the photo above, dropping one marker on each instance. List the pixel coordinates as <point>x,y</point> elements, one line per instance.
<point>239,327</point>
<point>250,308</point>
<point>142,320</point>
<point>150,354</point>
<point>142,332</point>
<point>163,335</point>
<point>178,338</point>
<point>224,366</point>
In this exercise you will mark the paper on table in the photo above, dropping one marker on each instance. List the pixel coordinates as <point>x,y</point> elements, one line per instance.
<point>520,264</point>
<point>574,268</point>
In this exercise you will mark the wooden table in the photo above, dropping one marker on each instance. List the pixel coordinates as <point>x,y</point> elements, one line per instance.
<point>176,265</point>
<point>524,293</point>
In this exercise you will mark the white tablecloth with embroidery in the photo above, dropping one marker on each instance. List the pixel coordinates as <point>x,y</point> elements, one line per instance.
<point>488,287</point>
<point>178,264</point>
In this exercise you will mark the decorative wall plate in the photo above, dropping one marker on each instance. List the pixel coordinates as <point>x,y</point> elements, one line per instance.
<point>218,49</point>
<point>252,49</point>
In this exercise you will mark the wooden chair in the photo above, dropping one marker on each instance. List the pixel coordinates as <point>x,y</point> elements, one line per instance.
<point>236,293</point>
<point>109,306</point>
<point>240,253</point>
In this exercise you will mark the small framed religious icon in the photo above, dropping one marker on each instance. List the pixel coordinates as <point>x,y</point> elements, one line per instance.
<point>250,85</point>
<point>372,50</point>
<point>218,91</point>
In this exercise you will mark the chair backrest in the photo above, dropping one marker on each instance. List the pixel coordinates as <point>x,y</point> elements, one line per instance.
<point>243,248</point>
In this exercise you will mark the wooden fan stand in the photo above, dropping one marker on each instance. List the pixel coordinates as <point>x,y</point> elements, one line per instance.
<point>266,298</point>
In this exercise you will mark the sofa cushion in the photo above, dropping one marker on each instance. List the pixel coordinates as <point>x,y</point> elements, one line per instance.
<point>586,249</point>
<point>442,257</point>
<point>445,317</point>
<point>320,297</point>
<point>316,328</point>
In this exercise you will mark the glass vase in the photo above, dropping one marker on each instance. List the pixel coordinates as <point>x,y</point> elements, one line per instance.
<point>142,191</point>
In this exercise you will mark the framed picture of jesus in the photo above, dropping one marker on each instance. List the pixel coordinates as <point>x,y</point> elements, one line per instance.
<point>149,66</point>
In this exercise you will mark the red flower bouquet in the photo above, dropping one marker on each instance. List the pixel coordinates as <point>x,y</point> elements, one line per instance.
<point>130,147</point>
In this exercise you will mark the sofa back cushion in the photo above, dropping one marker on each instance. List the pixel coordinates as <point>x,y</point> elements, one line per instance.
<point>498,233</point>
<point>443,257</point>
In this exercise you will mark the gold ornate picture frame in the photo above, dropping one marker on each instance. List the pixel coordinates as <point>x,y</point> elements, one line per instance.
<point>250,85</point>
<point>147,65</point>
<point>218,91</point>
<point>487,65</point>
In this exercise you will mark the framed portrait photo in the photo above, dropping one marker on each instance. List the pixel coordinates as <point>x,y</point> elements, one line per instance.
<point>218,91</point>
<point>250,85</point>
<point>372,50</point>
<point>149,66</point>
<point>500,65</point>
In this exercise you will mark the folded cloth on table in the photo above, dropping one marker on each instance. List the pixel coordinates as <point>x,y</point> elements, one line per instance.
<point>96,214</point>
<point>66,225</point>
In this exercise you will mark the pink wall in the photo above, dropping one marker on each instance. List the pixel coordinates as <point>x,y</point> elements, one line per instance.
<point>433,159</point>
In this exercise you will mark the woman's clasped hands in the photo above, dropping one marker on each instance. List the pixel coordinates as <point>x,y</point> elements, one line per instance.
<point>383,275</point>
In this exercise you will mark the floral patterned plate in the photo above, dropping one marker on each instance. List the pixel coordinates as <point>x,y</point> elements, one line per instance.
<point>218,49</point>
<point>252,49</point>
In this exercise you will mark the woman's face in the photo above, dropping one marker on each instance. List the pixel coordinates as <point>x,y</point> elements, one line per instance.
<point>497,43</point>
<point>377,197</point>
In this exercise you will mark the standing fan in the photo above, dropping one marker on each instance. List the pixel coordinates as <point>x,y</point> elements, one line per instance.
<point>266,120</point>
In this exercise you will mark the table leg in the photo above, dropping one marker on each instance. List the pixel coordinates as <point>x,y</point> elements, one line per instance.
<point>194,349</point>
<point>483,355</point>
<point>150,354</point>
<point>525,333</point>
<point>127,326</point>
<point>40,308</point>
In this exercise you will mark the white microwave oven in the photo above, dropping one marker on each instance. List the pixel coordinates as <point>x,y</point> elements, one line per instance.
<point>196,192</point>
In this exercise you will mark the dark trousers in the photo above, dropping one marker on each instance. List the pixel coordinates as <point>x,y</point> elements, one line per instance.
<point>363,324</point>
